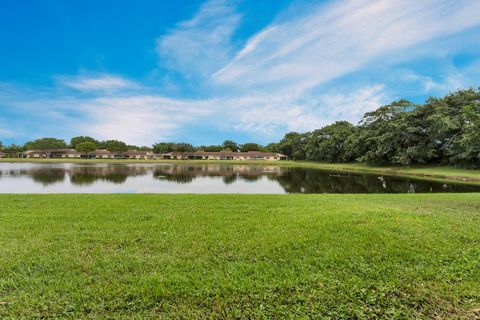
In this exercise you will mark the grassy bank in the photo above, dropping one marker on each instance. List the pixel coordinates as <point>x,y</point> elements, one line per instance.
<point>239,256</point>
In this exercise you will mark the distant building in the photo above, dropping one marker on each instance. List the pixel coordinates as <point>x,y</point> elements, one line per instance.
<point>97,154</point>
<point>2,154</point>
<point>143,155</point>
<point>58,153</point>
<point>148,155</point>
<point>224,155</point>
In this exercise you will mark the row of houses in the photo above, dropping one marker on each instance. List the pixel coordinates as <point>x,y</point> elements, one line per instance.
<point>148,155</point>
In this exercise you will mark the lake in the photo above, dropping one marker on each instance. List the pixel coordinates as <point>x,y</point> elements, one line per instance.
<point>203,178</point>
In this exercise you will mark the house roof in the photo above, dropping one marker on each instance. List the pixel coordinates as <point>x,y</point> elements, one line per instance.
<point>65,151</point>
<point>136,153</point>
<point>102,152</point>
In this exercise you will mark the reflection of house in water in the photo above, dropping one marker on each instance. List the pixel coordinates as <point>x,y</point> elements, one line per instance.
<point>45,176</point>
<point>83,175</point>
<point>230,173</point>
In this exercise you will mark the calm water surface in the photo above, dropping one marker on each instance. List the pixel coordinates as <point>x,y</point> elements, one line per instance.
<point>203,178</point>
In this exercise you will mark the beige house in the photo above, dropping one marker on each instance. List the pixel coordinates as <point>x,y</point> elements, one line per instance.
<point>139,155</point>
<point>224,155</point>
<point>97,154</point>
<point>148,155</point>
<point>59,153</point>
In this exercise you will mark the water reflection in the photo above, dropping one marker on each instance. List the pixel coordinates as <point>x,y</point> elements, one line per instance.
<point>203,178</point>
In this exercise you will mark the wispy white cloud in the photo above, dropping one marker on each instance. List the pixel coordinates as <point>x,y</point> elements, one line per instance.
<point>102,82</point>
<point>141,119</point>
<point>201,45</point>
<point>5,131</point>
<point>335,39</point>
<point>267,115</point>
<point>133,116</point>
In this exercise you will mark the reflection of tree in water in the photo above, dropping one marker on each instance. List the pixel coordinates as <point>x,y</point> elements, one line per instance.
<point>228,172</point>
<point>47,176</point>
<point>88,178</point>
<point>229,179</point>
<point>300,180</point>
<point>116,174</point>
<point>177,177</point>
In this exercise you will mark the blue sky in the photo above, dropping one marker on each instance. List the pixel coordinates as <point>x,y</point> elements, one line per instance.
<point>206,71</point>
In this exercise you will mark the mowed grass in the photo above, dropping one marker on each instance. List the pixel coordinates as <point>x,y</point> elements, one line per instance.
<point>240,256</point>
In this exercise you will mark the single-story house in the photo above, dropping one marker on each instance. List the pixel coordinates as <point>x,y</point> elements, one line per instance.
<point>144,155</point>
<point>224,155</point>
<point>58,153</point>
<point>97,154</point>
<point>3,154</point>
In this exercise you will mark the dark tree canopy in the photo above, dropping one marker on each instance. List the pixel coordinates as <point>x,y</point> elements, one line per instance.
<point>230,145</point>
<point>77,140</point>
<point>250,146</point>
<point>328,144</point>
<point>442,130</point>
<point>86,146</point>
<point>163,147</point>
<point>115,146</point>
<point>46,144</point>
<point>13,150</point>
<point>166,147</point>
<point>183,147</point>
<point>211,148</point>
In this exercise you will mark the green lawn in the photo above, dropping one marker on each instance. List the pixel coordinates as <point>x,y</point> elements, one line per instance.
<point>240,256</point>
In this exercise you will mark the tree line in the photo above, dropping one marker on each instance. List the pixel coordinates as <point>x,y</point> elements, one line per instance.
<point>85,144</point>
<point>442,130</point>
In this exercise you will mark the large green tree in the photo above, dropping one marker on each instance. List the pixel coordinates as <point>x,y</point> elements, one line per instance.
<point>166,147</point>
<point>163,147</point>
<point>13,150</point>
<point>183,147</point>
<point>457,128</point>
<point>328,143</point>
<point>86,147</point>
<point>230,145</point>
<point>80,139</point>
<point>293,145</point>
<point>46,144</point>
<point>250,146</point>
<point>116,146</point>
<point>396,134</point>
<point>211,148</point>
